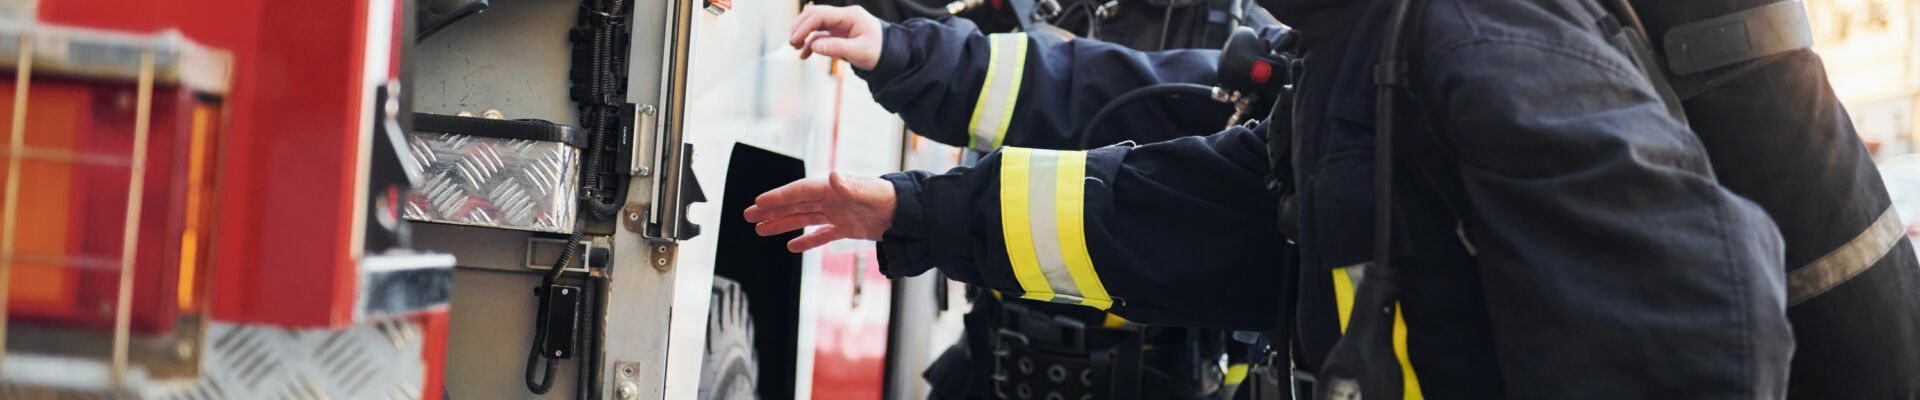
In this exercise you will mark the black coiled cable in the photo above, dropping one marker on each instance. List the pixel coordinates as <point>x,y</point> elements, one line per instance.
<point>599,118</point>
<point>1086,133</point>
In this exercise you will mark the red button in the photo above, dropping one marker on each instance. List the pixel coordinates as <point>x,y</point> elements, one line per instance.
<point>1261,71</point>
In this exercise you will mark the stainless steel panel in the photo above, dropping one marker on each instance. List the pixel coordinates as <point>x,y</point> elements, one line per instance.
<point>512,57</point>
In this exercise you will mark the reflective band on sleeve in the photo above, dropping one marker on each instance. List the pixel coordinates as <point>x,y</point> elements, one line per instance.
<point>1006,64</point>
<point>1847,261</point>
<point>1013,224</point>
<point>1409,383</point>
<point>1042,216</point>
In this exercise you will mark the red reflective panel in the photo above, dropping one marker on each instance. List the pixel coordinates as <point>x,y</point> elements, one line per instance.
<point>71,206</point>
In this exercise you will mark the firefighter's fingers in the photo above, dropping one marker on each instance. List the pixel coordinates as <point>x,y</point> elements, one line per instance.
<point>806,23</point>
<point>762,213</point>
<point>807,49</point>
<point>789,223</point>
<point>817,238</point>
<point>801,191</point>
<point>839,21</point>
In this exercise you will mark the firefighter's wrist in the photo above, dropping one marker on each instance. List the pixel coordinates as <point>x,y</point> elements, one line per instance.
<point>895,52</point>
<point>904,248</point>
<point>907,211</point>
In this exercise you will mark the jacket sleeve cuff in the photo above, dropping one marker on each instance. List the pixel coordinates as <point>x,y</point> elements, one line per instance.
<point>896,46</point>
<point>904,248</point>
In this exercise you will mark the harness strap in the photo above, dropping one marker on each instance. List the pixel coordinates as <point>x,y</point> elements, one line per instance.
<point>1737,37</point>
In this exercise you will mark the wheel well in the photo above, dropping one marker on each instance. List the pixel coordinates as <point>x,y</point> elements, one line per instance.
<point>766,271</point>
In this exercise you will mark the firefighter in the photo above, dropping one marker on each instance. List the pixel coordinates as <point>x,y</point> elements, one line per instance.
<point>954,85</point>
<point>1564,233</point>
<point>1058,84</point>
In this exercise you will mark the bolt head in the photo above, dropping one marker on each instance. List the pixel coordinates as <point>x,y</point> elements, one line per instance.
<point>626,390</point>
<point>557,353</point>
<point>183,350</point>
<point>643,171</point>
<point>565,291</point>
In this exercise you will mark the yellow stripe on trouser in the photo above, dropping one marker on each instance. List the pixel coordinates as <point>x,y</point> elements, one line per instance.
<point>1042,216</point>
<point>1408,382</point>
<point>993,110</point>
<point>1230,386</point>
<point>1342,296</point>
<point>1343,288</point>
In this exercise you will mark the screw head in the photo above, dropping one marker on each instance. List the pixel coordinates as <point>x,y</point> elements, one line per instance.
<point>626,370</point>
<point>660,261</point>
<point>565,291</point>
<point>557,353</point>
<point>643,171</point>
<point>660,249</point>
<point>633,216</point>
<point>183,350</point>
<point>647,110</point>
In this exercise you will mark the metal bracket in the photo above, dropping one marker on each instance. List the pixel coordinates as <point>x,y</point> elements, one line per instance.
<point>664,253</point>
<point>624,383</point>
<point>634,217</point>
<point>543,260</point>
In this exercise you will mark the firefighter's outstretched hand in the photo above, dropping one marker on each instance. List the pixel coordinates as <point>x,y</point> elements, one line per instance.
<point>848,33</point>
<point>844,208</point>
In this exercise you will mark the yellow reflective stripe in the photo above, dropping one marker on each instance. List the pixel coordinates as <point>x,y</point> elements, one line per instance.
<point>1343,296</point>
<point>993,110</point>
<point>1114,322</point>
<point>1017,70</point>
<point>1043,217</point>
<point>1236,373</point>
<point>1409,383</point>
<point>1014,163</point>
<point>1070,208</point>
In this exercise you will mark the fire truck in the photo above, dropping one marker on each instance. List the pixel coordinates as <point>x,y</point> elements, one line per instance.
<point>365,199</point>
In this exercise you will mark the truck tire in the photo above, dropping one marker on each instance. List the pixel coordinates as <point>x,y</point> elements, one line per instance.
<point>731,368</point>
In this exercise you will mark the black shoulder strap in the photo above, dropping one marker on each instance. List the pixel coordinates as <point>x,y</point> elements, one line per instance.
<point>1640,49</point>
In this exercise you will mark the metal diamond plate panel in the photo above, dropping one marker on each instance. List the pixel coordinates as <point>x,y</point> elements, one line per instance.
<point>382,360</point>
<point>494,182</point>
<point>371,361</point>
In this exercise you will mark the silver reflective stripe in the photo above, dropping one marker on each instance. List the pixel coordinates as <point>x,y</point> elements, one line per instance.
<point>1847,261</point>
<point>1043,217</point>
<point>1043,167</point>
<point>1007,58</point>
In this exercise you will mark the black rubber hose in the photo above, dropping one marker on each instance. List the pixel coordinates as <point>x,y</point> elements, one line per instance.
<point>584,385</point>
<point>919,9</point>
<point>1086,133</point>
<point>1393,67</point>
<point>545,382</point>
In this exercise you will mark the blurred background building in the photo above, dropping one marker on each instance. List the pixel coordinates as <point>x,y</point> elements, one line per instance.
<point>1871,59</point>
